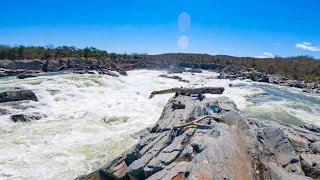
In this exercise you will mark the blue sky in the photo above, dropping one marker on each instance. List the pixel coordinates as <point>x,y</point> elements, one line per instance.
<point>232,27</point>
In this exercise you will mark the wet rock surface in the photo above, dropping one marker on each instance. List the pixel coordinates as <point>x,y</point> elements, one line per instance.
<point>27,117</point>
<point>19,118</point>
<point>174,77</point>
<point>19,95</point>
<point>223,145</point>
<point>24,76</point>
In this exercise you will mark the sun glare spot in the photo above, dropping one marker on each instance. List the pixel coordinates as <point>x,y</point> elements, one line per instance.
<point>184,22</point>
<point>183,42</point>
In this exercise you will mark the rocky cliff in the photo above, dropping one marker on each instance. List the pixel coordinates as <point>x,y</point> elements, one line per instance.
<point>209,139</point>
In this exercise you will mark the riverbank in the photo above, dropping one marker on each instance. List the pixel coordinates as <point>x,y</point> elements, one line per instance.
<point>83,65</point>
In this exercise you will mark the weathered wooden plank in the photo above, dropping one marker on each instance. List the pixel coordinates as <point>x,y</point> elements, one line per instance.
<point>188,91</point>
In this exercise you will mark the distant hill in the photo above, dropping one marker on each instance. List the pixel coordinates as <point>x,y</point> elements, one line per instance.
<point>298,67</point>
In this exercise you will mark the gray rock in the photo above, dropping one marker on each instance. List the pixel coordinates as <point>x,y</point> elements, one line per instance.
<point>24,76</point>
<point>180,116</point>
<point>214,155</point>
<point>311,165</point>
<point>19,118</point>
<point>299,86</point>
<point>193,70</point>
<point>299,143</point>
<point>106,72</point>
<point>176,171</point>
<point>175,71</point>
<point>3,111</point>
<point>136,169</point>
<point>165,157</point>
<point>81,71</point>
<point>17,96</point>
<point>26,118</point>
<point>174,77</point>
<point>270,171</point>
<point>123,73</point>
<point>315,147</point>
<point>91,176</point>
<point>225,104</point>
<point>8,64</point>
<point>277,146</point>
<point>116,169</point>
<point>51,65</point>
<point>29,64</point>
<point>311,137</point>
<point>231,118</point>
<point>264,79</point>
<point>311,127</point>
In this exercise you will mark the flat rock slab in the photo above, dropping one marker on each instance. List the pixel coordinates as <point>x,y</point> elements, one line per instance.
<point>282,151</point>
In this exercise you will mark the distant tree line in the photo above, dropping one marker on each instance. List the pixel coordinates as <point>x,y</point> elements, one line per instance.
<point>18,52</point>
<point>297,67</point>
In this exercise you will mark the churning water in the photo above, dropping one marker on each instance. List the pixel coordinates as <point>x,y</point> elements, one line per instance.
<point>89,119</point>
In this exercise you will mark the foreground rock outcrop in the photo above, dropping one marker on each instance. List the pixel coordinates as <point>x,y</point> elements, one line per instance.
<point>209,139</point>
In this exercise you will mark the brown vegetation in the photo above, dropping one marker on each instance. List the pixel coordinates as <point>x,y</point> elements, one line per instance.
<point>298,67</point>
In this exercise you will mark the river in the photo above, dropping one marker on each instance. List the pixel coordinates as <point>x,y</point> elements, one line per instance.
<point>89,119</point>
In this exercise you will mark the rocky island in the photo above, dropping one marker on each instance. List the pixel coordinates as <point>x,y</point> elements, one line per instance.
<point>208,138</point>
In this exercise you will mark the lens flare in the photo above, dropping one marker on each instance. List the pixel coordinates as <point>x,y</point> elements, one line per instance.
<point>183,42</point>
<point>184,21</point>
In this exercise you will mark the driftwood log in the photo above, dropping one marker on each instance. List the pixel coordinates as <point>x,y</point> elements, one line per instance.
<point>196,122</point>
<point>189,91</point>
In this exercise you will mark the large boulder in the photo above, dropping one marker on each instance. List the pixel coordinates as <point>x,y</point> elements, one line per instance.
<point>17,96</point>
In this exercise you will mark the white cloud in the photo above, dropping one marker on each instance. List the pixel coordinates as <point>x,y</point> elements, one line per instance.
<point>260,56</point>
<point>268,54</point>
<point>265,55</point>
<point>307,46</point>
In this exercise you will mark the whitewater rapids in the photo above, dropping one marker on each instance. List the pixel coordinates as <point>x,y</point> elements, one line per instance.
<point>90,119</point>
